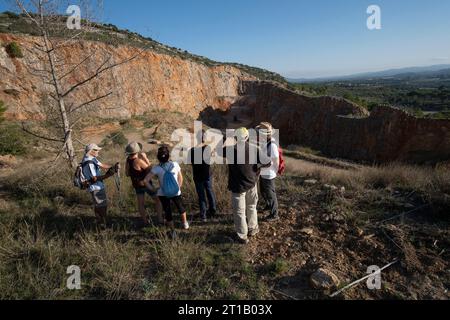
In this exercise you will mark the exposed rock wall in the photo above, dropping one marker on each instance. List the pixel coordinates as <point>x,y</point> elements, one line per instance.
<point>334,126</point>
<point>342,129</point>
<point>152,81</point>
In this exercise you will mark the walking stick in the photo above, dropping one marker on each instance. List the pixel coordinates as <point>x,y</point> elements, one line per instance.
<point>118,186</point>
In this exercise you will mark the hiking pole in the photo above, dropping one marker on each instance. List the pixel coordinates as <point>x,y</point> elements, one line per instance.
<point>118,186</point>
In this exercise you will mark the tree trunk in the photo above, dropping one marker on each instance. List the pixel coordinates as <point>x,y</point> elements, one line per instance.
<point>68,143</point>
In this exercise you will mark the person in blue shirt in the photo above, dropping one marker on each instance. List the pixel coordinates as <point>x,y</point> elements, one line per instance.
<point>92,172</point>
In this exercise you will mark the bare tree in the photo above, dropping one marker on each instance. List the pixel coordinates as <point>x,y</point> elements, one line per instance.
<point>73,84</point>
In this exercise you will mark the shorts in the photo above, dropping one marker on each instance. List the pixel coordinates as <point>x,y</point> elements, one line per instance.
<point>99,198</point>
<point>166,204</point>
<point>145,190</point>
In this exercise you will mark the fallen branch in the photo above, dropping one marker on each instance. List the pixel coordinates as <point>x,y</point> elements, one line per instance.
<point>362,279</point>
<point>284,294</point>
<point>405,213</point>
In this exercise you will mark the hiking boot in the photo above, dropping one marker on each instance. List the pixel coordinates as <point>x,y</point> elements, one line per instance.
<point>253,233</point>
<point>186,225</point>
<point>272,218</point>
<point>211,213</point>
<point>241,241</point>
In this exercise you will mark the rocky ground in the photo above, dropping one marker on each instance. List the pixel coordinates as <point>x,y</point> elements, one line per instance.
<point>309,238</point>
<point>337,219</point>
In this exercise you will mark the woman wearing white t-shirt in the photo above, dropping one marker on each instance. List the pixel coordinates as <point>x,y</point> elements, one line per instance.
<point>159,171</point>
<point>269,174</point>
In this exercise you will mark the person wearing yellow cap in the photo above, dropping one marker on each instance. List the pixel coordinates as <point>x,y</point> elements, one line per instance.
<point>242,182</point>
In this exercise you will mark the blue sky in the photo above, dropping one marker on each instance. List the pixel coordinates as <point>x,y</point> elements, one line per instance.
<point>297,38</point>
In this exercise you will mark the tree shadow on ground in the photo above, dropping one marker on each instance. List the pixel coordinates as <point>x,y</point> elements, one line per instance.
<point>70,225</point>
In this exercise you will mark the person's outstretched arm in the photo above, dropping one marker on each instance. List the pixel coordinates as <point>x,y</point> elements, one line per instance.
<point>148,178</point>
<point>143,157</point>
<point>180,179</point>
<point>127,169</point>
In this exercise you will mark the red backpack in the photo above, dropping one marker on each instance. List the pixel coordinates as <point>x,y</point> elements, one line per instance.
<point>281,165</point>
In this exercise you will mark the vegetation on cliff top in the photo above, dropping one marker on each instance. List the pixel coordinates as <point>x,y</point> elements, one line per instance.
<point>110,34</point>
<point>423,100</point>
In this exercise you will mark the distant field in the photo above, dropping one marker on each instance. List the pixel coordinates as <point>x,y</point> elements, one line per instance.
<point>423,96</point>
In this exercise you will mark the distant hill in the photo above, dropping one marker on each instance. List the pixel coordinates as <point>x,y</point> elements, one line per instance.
<point>434,70</point>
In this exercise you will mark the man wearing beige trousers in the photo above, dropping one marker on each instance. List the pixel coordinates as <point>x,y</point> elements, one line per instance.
<point>242,182</point>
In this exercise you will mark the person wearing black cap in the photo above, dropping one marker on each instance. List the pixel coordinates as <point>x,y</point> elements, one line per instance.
<point>200,159</point>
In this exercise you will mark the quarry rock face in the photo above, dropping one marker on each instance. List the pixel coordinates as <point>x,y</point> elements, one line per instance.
<point>152,81</point>
<point>339,128</point>
<point>156,81</point>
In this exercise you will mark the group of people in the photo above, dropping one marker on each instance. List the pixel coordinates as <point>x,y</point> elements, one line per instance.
<point>243,180</point>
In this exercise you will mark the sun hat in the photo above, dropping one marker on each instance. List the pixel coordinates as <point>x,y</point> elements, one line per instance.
<point>265,128</point>
<point>133,148</point>
<point>242,134</point>
<point>91,147</point>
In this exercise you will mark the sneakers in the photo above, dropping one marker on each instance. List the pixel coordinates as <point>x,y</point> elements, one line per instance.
<point>186,225</point>
<point>253,233</point>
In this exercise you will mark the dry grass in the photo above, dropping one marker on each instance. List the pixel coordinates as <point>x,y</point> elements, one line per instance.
<point>393,175</point>
<point>47,225</point>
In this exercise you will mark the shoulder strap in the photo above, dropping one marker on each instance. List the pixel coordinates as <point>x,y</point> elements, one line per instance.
<point>162,166</point>
<point>88,162</point>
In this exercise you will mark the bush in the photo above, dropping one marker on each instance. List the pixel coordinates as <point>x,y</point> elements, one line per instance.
<point>14,50</point>
<point>11,15</point>
<point>116,139</point>
<point>12,140</point>
<point>2,112</point>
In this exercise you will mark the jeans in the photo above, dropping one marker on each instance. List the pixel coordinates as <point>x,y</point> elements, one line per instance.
<point>267,188</point>
<point>244,212</point>
<point>202,187</point>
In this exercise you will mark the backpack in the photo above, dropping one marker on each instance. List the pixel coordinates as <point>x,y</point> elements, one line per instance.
<point>282,164</point>
<point>79,180</point>
<point>169,186</point>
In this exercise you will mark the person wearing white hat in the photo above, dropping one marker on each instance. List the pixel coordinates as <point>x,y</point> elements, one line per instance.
<point>137,168</point>
<point>92,171</point>
<point>268,175</point>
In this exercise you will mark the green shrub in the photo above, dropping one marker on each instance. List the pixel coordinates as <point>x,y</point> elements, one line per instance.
<point>116,139</point>
<point>12,140</point>
<point>11,15</point>
<point>2,111</point>
<point>14,51</point>
<point>277,267</point>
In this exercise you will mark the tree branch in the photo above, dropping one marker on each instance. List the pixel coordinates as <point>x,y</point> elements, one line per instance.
<point>99,71</point>
<point>39,136</point>
<point>75,67</point>
<point>89,102</point>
